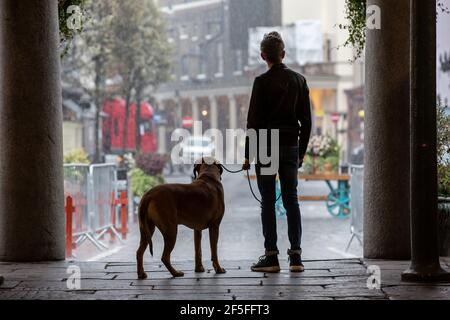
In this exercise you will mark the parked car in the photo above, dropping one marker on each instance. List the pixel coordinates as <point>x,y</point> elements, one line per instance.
<point>195,148</point>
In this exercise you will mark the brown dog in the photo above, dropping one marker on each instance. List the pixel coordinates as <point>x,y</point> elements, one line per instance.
<point>199,206</point>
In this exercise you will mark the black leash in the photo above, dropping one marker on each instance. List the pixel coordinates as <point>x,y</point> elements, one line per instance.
<point>249,182</point>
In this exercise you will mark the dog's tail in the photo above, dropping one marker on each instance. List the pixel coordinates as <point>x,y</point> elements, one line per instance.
<point>146,226</point>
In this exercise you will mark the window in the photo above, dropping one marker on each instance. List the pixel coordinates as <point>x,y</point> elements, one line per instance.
<point>238,62</point>
<point>201,62</point>
<point>184,68</point>
<point>220,60</point>
<point>213,29</point>
<point>183,32</point>
<point>195,32</point>
<point>171,34</point>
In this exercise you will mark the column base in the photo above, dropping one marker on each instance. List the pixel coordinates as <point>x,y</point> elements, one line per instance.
<point>428,273</point>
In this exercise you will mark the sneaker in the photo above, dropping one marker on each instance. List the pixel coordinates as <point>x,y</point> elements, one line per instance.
<point>267,263</point>
<point>295,261</point>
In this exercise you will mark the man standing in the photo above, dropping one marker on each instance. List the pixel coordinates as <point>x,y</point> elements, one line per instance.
<point>280,101</point>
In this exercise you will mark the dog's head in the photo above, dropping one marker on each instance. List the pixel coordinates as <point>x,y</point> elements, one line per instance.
<point>208,166</point>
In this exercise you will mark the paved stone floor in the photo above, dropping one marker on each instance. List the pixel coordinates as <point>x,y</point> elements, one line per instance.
<point>323,280</point>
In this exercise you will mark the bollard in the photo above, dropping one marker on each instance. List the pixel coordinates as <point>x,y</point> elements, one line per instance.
<point>123,214</point>
<point>70,209</point>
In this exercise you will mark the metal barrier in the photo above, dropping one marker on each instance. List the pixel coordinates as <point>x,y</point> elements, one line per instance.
<point>356,203</point>
<point>103,193</point>
<point>76,185</point>
<point>94,196</point>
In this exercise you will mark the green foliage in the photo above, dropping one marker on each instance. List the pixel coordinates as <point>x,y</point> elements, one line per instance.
<point>141,183</point>
<point>67,34</point>
<point>443,147</point>
<point>334,161</point>
<point>78,156</point>
<point>74,174</point>
<point>355,14</point>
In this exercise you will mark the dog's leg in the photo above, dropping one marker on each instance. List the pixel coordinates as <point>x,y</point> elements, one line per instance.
<point>198,251</point>
<point>214,238</point>
<point>170,237</point>
<point>140,258</point>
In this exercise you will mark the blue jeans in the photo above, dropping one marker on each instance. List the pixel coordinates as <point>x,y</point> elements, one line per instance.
<point>288,173</point>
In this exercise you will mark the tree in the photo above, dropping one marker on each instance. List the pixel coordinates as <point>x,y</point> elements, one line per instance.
<point>153,68</point>
<point>122,40</point>
<point>87,64</point>
<point>140,52</point>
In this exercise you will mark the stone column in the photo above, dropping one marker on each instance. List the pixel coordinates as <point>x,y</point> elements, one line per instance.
<point>233,111</point>
<point>425,265</point>
<point>214,114</point>
<point>195,109</point>
<point>32,219</point>
<point>387,153</point>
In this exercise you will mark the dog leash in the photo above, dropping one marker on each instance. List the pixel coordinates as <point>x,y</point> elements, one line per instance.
<point>249,182</point>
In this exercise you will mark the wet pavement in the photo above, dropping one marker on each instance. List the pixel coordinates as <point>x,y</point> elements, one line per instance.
<point>324,236</point>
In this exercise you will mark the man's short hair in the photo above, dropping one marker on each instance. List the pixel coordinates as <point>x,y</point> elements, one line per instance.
<point>272,46</point>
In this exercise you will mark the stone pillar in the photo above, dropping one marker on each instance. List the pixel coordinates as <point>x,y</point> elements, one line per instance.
<point>233,111</point>
<point>214,114</point>
<point>425,265</point>
<point>195,109</point>
<point>32,219</point>
<point>387,135</point>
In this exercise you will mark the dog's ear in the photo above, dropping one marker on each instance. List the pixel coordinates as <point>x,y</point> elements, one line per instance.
<point>196,170</point>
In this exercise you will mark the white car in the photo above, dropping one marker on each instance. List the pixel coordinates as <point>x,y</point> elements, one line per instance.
<point>194,148</point>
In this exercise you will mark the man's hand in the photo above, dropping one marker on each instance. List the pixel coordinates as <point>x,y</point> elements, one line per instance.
<point>300,161</point>
<point>246,166</point>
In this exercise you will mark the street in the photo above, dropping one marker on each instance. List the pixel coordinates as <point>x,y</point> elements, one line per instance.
<point>324,237</point>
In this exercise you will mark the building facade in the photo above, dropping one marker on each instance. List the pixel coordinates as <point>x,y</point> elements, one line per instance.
<point>212,72</point>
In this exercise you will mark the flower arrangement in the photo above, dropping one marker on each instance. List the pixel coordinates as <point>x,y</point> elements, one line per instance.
<point>151,163</point>
<point>323,146</point>
<point>322,155</point>
<point>146,172</point>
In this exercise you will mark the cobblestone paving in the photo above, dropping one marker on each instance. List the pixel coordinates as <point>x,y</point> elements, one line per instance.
<point>323,280</point>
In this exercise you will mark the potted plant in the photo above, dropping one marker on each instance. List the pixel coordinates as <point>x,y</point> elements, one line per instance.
<point>443,146</point>
<point>323,154</point>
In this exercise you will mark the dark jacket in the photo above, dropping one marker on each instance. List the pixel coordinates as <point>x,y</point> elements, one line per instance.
<point>280,100</point>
